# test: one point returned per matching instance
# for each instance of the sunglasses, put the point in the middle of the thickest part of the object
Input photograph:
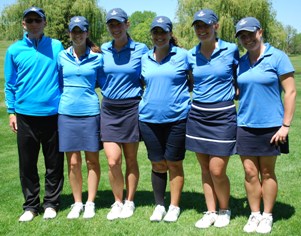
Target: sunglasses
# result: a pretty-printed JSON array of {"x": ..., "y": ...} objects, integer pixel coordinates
[{"x": 30, "y": 20}]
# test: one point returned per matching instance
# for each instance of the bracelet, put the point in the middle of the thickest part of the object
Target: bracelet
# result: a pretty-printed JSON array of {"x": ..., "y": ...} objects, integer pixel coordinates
[{"x": 287, "y": 126}]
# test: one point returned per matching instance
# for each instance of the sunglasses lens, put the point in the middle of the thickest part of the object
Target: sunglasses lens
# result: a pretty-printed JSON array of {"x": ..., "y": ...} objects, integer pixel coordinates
[{"x": 29, "y": 21}]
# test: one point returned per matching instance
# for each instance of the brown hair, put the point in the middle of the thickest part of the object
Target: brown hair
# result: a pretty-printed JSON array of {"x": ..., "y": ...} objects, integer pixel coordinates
[
  {"x": 93, "y": 46},
  {"x": 174, "y": 41}
]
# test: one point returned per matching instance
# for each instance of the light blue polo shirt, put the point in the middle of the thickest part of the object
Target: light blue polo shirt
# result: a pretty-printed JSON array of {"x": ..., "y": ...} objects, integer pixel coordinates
[
  {"x": 122, "y": 70},
  {"x": 79, "y": 78},
  {"x": 166, "y": 97},
  {"x": 260, "y": 104},
  {"x": 31, "y": 77},
  {"x": 213, "y": 78}
]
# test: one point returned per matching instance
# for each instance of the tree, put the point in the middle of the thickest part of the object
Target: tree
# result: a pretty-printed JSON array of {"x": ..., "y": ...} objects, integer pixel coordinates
[
  {"x": 229, "y": 13},
  {"x": 58, "y": 14},
  {"x": 140, "y": 26}
]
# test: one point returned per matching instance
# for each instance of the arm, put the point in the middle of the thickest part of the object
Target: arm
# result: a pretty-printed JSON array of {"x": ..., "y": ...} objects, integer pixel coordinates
[{"x": 289, "y": 101}]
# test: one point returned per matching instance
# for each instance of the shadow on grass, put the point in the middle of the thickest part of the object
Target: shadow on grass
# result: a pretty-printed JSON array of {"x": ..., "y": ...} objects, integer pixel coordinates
[{"x": 189, "y": 200}]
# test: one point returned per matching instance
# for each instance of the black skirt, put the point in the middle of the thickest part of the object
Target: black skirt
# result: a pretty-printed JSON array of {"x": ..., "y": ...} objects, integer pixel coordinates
[{"x": 119, "y": 120}]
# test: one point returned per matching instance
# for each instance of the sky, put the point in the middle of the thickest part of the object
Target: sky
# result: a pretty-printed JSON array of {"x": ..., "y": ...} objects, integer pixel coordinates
[{"x": 287, "y": 11}]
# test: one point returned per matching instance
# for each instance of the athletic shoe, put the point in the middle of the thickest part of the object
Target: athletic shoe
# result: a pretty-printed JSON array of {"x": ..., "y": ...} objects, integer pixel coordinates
[
  {"x": 27, "y": 216},
  {"x": 115, "y": 211},
  {"x": 265, "y": 225},
  {"x": 158, "y": 213},
  {"x": 127, "y": 209},
  {"x": 49, "y": 213},
  {"x": 76, "y": 209},
  {"x": 252, "y": 223},
  {"x": 172, "y": 214},
  {"x": 223, "y": 218},
  {"x": 89, "y": 210},
  {"x": 207, "y": 220}
]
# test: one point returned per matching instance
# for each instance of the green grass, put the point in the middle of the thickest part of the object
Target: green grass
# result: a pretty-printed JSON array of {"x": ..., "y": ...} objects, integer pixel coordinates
[{"x": 287, "y": 211}]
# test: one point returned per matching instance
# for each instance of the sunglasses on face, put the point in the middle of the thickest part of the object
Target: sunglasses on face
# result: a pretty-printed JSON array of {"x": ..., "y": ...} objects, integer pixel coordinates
[{"x": 31, "y": 20}]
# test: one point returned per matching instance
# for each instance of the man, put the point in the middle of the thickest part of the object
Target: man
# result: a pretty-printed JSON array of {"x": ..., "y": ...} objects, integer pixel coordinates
[{"x": 32, "y": 95}]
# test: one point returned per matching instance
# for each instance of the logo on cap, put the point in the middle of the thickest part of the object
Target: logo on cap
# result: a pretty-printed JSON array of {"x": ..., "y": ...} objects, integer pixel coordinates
[
  {"x": 113, "y": 13},
  {"x": 77, "y": 20},
  {"x": 201, "y": 13},
  {"x": 160, "y": 20},
  {"x": 243, "y": 22},
  {"x": 33, "y": 9}
]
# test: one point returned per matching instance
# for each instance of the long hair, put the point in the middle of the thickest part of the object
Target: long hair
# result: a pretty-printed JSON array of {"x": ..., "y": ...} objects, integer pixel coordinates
[
  {"x": 174, "y": 41},
  {"x": 93, "y": 46}
]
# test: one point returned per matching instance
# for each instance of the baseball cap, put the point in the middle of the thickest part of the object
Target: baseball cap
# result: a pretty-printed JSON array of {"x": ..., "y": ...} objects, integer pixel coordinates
[
  {"x": 250, "y": 24},
  {"x": 116, "y": 14},
  {"x": 206, "y": 15},
  {"x": 80, "y": 22},
  {"x": 36, "y": 10},
  {"x": 163, "y": 22}
]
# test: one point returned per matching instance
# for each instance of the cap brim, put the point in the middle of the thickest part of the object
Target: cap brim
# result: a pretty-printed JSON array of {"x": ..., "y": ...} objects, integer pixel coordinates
[
  {"x": 161, "y": 27},
  {"x": 206, "y": 21},
  {"x": 116, "y": 18},
  {"x": 249, "y": 29}
]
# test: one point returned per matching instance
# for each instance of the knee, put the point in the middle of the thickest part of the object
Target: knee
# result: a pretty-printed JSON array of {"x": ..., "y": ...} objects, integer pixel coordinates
[
  {"x": 251, "y": 174},
  {"x": 114, "y": 163},
  {"x": 160, "y": 167},
  {"x": 92, "y": 164}
]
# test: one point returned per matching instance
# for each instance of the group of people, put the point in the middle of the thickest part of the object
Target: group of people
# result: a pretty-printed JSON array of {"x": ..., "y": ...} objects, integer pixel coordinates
[{"x": 51, "y": 101}]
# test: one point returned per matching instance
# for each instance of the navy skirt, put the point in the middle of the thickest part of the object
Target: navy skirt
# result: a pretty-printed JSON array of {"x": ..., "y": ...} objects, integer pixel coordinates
[
  {"x": 79, "y": 133},
  {"x": 256, "y": 142},
  {"x": 211, "y": 128},
  {"x": 119, "y": 120}
]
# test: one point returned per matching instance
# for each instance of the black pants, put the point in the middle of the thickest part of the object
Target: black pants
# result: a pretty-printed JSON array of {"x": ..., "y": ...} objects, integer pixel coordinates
[{"x": 34, "y": 132}]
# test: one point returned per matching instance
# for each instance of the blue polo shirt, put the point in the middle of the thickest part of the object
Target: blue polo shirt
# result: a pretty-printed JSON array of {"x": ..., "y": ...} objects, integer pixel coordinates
[
  {"x": 166, "y": 97},
  {"x": 260, "y": 104},
  {"x": 31, "y": 77},
  {"x": 213, "y": 78},
  {"x": 79, "y": 77},
  {"x": 122, "y": 70}
]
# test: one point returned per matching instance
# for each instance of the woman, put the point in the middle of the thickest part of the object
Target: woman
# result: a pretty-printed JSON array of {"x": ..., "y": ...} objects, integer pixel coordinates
[
  {"x": 79, "y": 113},
  {"x": 263, "y": 124},
  {"x": 119, "y": 118},
  {"x": 211, "y": 125},
  {"x": 163, "y": 112}
]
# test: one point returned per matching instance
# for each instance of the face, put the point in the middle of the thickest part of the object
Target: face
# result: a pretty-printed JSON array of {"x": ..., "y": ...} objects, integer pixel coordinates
[
  {"x": 118, "y": 29},
  {"x": 205, "y": 32},
  {"x": 250, "y": 40},
  {"x": 78, "y": 36},
  {"x": 34, "y": 25},
  {"x": 160, "y": 37}
]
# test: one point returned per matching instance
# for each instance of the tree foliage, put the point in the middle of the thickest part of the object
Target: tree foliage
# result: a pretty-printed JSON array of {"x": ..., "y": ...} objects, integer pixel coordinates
[
  {"x": 229, "y": 13},
  {"x": 58, "y": 14},
  {"x": 140, "y": 26}
]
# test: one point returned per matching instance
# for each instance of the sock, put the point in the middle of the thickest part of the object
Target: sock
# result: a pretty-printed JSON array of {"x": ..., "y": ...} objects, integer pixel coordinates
[
  {"x": 159, "y": 182},
  {"x": 267, "y": 215},
  {"x": 255, "y": 213}
]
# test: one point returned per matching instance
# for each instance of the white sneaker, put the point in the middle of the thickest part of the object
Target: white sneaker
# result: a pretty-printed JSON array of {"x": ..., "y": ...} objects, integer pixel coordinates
[
  {"x": 158, "y": 213},
  {"x": 89, "y": 210},
  {"x": 207, "y": 220},
  {"x": 265, "y": 225},
  {"x": 127, "y": 209},
  {"x": 172, "y": 214},
  {"x": 49, "y": 213},
  {"x": 76, "y": 209},
  {"x": 223, "y": 218},
  {"x": 115, "y": 211},
  {"x": 27, "y": 216},
  {"x": 252, "y": 223}
]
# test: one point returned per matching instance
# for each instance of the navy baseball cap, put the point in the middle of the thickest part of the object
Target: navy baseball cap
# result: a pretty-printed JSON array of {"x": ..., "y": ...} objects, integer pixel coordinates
[
  {"x": 250, "y": 24},
  {"x": 206, "y": 15},
  {"x": 80, "y": 22},
  {"x": 36, "y": 10},
  {"x": 116, "y": 14},
  {"x": 163, "y": 22}
]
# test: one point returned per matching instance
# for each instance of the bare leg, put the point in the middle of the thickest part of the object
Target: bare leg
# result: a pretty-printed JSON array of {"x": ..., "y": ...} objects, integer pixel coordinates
[
  {"x": 92, "y": 160},
  {"x": 176, "y": 178}
]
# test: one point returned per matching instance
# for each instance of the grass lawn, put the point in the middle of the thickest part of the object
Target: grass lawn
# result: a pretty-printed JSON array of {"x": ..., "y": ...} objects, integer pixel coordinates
[{"x": 287, "y": 211}]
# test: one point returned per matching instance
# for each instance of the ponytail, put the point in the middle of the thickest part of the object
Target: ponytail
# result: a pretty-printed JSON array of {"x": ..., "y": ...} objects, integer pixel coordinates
[{"x": 93, "y": 46}]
